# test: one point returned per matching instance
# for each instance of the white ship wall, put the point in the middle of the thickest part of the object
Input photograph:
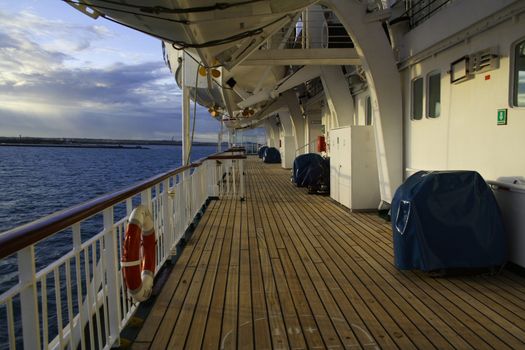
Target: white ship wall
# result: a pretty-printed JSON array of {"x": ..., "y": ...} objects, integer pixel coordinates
[{"x": 466, "y": 134}]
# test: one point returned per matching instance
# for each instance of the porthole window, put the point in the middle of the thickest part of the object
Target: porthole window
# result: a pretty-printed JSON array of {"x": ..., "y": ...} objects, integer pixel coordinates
[
  {"x": 518, "y": 86},
  {"x": 434, "y": 94},
  {"x": 417, "y": 99},
  {"x": 368, "y": 111}
]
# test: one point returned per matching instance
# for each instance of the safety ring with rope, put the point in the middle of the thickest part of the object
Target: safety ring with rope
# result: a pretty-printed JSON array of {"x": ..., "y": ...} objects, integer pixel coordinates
[{"x": 139, "y": 271}]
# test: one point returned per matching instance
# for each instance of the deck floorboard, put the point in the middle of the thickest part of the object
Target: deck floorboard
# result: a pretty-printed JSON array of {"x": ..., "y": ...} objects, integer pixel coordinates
[{"x": 288, "y": 270}]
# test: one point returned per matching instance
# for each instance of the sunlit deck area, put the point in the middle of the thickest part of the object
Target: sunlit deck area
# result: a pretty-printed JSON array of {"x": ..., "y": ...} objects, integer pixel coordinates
[{"x": 284, "y": 269}]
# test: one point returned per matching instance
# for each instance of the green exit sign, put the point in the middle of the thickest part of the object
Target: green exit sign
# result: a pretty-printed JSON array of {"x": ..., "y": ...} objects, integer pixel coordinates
[{"x": 502, "y": 116}]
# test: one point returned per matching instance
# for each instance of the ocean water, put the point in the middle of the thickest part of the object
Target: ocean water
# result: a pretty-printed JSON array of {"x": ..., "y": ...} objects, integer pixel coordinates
[{"x": 38, "y": 181}]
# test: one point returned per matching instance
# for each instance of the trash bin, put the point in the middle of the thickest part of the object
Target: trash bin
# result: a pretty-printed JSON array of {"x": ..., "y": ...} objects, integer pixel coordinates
[{"x": 510, "y": 194}]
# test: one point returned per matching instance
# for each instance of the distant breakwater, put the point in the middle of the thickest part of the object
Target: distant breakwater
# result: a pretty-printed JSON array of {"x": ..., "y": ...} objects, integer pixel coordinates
[
  {"x": 75, "y": 145},
  {"x": 83, "y": 142}
]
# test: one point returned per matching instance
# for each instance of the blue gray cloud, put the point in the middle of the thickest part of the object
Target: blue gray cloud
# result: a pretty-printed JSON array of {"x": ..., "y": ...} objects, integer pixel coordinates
[{"x": 46, "y": 91}]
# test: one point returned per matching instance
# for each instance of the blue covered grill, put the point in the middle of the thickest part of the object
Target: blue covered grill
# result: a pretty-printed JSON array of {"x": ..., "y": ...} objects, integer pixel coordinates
[
  {"x": 260, "y": 152},
  {"x": 307, "y": 169},
  {"x": 447, "y": 220},
  {"x": 271, "y": 155}
]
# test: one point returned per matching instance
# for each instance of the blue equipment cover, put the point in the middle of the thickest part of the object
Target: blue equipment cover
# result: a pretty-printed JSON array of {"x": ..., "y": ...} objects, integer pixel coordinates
[
  {"x": 326, "y": 172},
  {"x": 447, "y": 220},
  {"x": 261, "y": 151},
  {"x": 271, "y": 155},
  {"x": 307, "y": 169}
]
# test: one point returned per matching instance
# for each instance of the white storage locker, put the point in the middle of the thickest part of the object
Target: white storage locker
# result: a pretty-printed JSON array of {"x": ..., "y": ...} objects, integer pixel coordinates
[{"x": 354, "y": 178}]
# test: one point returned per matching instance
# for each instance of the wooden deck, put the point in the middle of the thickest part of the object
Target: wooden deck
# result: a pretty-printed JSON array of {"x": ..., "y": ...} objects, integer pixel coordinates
[{"x": 285, "y": 269}]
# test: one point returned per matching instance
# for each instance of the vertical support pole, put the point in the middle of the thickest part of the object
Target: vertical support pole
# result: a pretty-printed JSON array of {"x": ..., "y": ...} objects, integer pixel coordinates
[
  {"x": 185, "y": 124},
  {"x": 306, "y": 29},
  {"x": 28, "y": 297},
  {"x": 111, "y": 254},
  {"x": 185, "y": 142},
  {"x": 185, "y": 117},
  {"x": 242, "y": 139},
  {"x": 303, "y": 29},
  {"x": 219, "y": 141}
]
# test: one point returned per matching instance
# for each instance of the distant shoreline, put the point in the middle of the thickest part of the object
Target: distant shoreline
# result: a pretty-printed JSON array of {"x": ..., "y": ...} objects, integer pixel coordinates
[
  {"x": 90, "y": 143},
  {"x": 71, "y": 145}
]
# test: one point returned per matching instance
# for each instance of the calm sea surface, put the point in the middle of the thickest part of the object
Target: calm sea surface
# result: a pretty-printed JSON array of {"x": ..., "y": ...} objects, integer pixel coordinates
[{"x": 37, "y": 181}]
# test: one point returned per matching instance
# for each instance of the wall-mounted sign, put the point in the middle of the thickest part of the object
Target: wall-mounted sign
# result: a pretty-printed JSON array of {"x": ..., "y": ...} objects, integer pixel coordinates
[
  {"x": 459, "y": 70},
  {"x": 502, "y": 116}
]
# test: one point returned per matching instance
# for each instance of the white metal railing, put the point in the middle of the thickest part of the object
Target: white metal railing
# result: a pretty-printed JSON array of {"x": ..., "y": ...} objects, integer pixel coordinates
[
  {"x": 304, "y": 146},
  {"x": 79, "y": 300},
  {"x": 251, "y": 147},
  {"x": 315, "y": 27},
  {"x": 231, "y": 182},
  {"x": 419, "y": 11}
]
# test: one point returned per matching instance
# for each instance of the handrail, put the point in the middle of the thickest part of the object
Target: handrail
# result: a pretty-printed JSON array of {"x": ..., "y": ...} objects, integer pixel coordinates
[
  {"x": 506, "y": 186},
  {"x": 308, "y": 144},
  {"x": 20, "y": 237}
]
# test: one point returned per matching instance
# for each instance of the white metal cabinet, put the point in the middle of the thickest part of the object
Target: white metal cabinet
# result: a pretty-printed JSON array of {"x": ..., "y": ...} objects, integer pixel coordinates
[{"x": 353, "y": 167}]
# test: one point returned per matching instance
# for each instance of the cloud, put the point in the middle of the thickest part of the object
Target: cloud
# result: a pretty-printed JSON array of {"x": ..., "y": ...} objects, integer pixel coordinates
[
  {"x": 42, "y": 94},
  {"x": 54, "y": 35}
]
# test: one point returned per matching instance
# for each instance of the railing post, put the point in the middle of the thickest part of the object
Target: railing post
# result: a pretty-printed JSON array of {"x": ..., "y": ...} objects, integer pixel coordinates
[
  {"x": 111, "y": 254},
  {"x": 145, "y": 198},
  {"x": 183, "y": 203},
  {"x": 28, "y": 297},
  {"x": 167, "y": 214},
  {"x": 241, "y": 178},
  {"x": 215, "y": 171},
  {"x": 191, "y": 190},
  {"x": 77, "y": 246},
  {"x": 234, "y": 178},
  {"x": 227, "y": 167},
  {"x": 179, "y": 193}
]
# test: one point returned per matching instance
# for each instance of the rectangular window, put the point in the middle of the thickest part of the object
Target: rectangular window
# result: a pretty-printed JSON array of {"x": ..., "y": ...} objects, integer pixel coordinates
[
  {"x": 518, "y": 89},
  {"x": 434, "y": 94},
  {"x": 368, "y": 111},
  {"x": 417, "y": 98}
]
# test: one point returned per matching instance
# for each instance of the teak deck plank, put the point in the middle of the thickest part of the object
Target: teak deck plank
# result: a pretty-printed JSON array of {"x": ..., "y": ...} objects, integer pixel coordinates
[
  {"x": 288, "y": 270},
  {"x": 212, "y": 336},
  {"x": 159, "y": 309}
]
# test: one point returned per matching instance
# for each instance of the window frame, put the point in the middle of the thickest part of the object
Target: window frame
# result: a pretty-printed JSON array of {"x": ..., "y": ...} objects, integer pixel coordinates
[
  {"x": 412, "y": 83},
  {"x": 513, "y": 102},
  {"x": 427, "y": 92}
]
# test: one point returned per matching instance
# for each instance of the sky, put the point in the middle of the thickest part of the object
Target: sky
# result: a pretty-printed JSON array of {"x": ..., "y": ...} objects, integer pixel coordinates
[{"x": 63, "y": 74}]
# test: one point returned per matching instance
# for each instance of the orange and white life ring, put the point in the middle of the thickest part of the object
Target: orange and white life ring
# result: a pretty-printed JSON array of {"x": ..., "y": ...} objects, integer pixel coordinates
[{"x": 138, "y": 273}]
